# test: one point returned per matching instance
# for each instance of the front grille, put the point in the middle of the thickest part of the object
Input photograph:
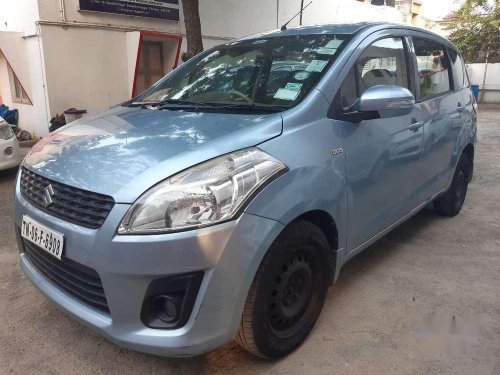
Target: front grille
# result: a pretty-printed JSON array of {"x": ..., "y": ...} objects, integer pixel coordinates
[
  {"x": 75, "y": 205},
  {"x": 77, "y": 280}
]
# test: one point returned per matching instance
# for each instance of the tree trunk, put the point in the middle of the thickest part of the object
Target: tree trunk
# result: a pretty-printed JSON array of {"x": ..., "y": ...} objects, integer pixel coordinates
[
  {"x": 193, "y": 28},
  {"x": 484, "y": 76}
]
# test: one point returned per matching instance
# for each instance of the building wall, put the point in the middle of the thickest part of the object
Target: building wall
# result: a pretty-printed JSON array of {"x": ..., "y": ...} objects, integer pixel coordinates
[
  {"x": 20, "y": 46},
  {"x": 85, "y": 68},
  {"x": 236, "y": 18},
  {"x": 338, "y": 11},
  {"x": 18, "y": 15},
  {"x": 31, "y": 117},
  {"x": 49, "y": 10},
  {"x": 25, "y": 56}
]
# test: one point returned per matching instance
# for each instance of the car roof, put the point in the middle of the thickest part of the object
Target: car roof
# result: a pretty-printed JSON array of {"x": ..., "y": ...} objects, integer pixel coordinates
[{"x": 343, "y": 28}]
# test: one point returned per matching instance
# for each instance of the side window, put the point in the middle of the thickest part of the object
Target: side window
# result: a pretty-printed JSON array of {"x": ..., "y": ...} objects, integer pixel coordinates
[
  {"x": 457, "y": 69},
  {"x": 433, "y": 68},
  {"x": 382, "y": 63}
]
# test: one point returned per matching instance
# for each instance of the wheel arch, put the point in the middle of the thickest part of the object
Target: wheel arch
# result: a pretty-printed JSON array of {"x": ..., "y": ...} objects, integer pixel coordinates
[{"x": 325, "y": 222}]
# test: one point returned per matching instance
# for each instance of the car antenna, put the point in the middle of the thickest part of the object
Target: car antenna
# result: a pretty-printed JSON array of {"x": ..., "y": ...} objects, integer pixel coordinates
[{"x": 283, "y": 28}]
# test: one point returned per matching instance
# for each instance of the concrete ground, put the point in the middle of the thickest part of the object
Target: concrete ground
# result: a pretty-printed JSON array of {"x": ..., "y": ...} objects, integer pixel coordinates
[{"x": 423, "y": 300}]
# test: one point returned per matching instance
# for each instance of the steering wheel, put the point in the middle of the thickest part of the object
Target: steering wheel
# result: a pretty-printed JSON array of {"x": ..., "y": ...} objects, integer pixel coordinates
[{"x": 239, "y": 94}]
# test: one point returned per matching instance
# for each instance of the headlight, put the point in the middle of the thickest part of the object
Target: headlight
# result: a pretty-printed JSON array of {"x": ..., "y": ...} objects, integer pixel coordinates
[
  {"x": 6, "y": 132},
  {"x": 205, "y": 194}
]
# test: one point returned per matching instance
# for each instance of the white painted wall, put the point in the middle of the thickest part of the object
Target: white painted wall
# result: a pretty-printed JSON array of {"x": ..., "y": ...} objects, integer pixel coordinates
[
  {"x": 24, "y": 56},
  {"x": 85, "y": 68},
  {"x": 132, "y": 39},
  {"x": 18, "y": 15},
  {"x": 492, "y": 85},
  {"x": 17, "y": 19},
  {"x": 337, "y": 11},
  {"x": 236, "y": 18},
  {"x": 15, "y": 49}
]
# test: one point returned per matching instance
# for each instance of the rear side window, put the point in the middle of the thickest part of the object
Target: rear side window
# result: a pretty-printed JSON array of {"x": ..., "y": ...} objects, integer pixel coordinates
[
  {"x": 382, "y": 63},
  {"x": 433, "y": 68},
  {"x": 457, "y": 69}
]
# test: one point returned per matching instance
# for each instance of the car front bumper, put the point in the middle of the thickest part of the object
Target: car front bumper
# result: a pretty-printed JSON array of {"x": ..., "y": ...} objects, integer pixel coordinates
[{"x": 228, "y": 254}]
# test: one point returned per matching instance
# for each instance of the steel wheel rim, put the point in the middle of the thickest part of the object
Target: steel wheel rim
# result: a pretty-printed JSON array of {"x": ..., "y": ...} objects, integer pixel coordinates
[{"x": 293, "y": 292}]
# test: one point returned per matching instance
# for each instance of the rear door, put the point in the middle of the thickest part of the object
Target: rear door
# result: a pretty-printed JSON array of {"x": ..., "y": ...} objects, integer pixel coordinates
[
  {"x": 465, "y": 106},
  {"x": 440, "y": 108},
  {"x": 382, "y": 155}
]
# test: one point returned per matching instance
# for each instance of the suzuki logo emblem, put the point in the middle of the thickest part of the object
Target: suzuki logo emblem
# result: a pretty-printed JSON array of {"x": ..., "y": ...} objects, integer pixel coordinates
[{"x": 48, "y": 193}]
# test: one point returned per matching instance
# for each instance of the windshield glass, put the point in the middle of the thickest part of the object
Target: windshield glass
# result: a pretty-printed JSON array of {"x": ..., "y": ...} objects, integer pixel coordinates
[{"x": 274, "y": 72}]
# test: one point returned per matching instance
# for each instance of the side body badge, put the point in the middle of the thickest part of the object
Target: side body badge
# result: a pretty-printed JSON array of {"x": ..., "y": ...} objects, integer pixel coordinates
[{"x": 337, "y": 151}]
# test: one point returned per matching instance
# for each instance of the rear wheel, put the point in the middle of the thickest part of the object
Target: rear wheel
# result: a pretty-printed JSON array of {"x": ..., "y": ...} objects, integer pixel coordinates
[
  {"x": 452, "y": 201},
  {"x": 288, "y": 292}
]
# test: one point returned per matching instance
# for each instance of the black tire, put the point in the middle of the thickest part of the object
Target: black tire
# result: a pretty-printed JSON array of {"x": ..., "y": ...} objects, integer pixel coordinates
[
  {"x": 450, "y": 203},
  {"x": 287, "y": 293}
]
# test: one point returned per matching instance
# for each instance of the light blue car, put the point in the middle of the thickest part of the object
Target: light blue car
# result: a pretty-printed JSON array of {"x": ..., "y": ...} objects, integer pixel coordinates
[{"x": 223, "y": 201}]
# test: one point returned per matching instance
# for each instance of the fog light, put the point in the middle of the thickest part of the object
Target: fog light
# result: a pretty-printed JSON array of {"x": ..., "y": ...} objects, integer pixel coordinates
[
  {"x": 167, "y": 307},
  {"x": 8, "y": 151},
  {"x": 169, "y": 301}
]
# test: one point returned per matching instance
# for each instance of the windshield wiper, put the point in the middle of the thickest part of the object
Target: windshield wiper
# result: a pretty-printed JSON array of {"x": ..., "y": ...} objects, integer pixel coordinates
[
  {"x": 167, "y": 102},
  {"x": 181, "y": 102},
  {"x": 213, "y": 106},
  {"x": 249, "y": 107}
]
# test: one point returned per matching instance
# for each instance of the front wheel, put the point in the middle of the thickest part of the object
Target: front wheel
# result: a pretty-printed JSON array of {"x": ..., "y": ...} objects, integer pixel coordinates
[
  {"x": 287, "y": 293},
  {"x": 452, "y": 201}
]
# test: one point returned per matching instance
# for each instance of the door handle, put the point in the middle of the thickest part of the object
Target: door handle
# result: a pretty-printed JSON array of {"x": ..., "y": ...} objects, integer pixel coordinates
[
  {"x": 460, "y": 107},
  {"x": 414, "y": 126}
]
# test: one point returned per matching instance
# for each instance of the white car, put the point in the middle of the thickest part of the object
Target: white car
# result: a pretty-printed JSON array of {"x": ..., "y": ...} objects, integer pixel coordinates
[{"x": 10, "y": 155}]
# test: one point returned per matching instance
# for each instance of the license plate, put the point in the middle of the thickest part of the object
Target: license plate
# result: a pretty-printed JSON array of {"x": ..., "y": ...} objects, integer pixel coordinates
[{"x": 48, "y": 239}]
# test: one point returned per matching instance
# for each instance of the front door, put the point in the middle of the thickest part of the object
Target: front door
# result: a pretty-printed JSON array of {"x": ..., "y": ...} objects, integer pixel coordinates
[
  {"x": 151, "y": 67},
  {"x": 382, "y": 155}
]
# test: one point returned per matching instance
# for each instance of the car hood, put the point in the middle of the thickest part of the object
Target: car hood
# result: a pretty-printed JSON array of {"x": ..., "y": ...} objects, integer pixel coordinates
[{"x": 124, "y": 151}]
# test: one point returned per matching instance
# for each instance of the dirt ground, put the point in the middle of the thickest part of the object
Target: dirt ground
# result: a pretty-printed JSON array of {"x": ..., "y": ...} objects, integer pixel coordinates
[{"x": 423, "y": 300}]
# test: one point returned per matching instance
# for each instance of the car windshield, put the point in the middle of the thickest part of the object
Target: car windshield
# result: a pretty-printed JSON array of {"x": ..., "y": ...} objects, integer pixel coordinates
[{"x": 274, "y": 72}]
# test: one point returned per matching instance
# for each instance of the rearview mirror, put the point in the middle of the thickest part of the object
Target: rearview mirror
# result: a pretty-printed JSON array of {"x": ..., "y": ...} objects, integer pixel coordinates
[{"x": 395, "y": 99}]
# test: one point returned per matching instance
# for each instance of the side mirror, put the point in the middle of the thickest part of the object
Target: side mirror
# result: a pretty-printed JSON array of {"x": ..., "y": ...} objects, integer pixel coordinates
[{"x": 390, "y": 100}]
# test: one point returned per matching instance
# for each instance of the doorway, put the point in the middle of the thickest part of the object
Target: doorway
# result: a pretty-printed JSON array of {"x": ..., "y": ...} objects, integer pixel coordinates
[
  {"x": 157, "y": 55},
  {"x": 150, "y": 65}
]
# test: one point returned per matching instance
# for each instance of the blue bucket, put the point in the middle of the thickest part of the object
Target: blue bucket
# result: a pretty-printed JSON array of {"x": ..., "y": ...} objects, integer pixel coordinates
[{"x": 475, "y": 90}]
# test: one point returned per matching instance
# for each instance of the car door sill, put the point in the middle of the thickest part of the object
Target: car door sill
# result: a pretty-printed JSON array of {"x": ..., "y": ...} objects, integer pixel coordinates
[{"x": 383, "y": 232}]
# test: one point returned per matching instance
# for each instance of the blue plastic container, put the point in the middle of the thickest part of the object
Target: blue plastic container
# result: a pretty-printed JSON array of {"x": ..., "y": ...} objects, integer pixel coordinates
[{"x": 475, "y": 90}]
